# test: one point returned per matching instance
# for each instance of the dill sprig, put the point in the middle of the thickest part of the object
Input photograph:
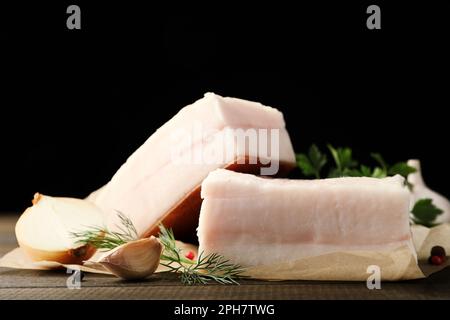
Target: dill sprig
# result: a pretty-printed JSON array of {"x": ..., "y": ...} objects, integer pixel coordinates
[
  {"x": 207, "y": 268},
  {"x": 211, "y": 267},
  {"x": 104, "y": 239}
]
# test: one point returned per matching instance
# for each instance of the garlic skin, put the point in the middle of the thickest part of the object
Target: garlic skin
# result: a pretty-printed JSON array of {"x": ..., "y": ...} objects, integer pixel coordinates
[
  {"x": 134, "y": 260},
  {"x": 421, "y": 191}
]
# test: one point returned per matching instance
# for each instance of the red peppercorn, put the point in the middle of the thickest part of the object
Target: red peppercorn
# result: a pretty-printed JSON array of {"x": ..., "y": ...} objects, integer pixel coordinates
[
  {"x": 190, "y": 255},
  {"x": 437, "y": 260}
]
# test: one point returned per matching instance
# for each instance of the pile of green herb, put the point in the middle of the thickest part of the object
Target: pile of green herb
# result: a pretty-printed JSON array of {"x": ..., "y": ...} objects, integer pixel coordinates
[{"x": 312, "y": 164}]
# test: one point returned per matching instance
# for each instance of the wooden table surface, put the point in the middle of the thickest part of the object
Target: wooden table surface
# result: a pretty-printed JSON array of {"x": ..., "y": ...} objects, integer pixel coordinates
[{"x": 29, "y": 284}]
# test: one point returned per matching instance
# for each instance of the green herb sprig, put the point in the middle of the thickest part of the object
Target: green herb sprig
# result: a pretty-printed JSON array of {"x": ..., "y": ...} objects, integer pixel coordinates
[
  {"x": 104, "y": 239},
  {"x": 207, "y": 268},
  {"x": 344, "y": 162},
  {"x": 211, "y": 267}
]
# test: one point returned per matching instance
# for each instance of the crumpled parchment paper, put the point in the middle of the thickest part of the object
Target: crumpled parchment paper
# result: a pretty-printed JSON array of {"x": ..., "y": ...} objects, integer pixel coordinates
[
  {"x": 17, "y": 259},
  {"x": 396, "y": 264}
]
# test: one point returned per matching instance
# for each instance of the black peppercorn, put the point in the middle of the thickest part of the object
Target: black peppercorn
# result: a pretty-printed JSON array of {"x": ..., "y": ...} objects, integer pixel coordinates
[{"x": 438, "y": 251}]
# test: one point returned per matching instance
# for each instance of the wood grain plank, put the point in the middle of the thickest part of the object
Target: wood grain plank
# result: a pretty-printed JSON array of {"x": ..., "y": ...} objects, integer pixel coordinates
[
  {"x": 7, "y": 236},
  {"x": 33, "y": 284}
]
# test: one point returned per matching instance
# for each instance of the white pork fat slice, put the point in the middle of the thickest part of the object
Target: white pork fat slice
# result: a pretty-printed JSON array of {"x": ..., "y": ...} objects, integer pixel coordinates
[
  {"x": 160, "y": 182},
  {"x": 255, "y": 221}
]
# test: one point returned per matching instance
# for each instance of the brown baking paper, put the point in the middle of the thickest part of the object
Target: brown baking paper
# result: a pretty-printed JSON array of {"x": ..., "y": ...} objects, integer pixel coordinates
[
  {"x": 396, "y": 264},
  {"x": 17, "y": 259}
]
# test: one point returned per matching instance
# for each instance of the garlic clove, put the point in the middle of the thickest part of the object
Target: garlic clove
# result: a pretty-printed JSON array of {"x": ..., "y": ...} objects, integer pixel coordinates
[
  {"x": 134, "y": 260},
  {"x": 421, "y": 191},
  {"x": 44, "y": 230}
]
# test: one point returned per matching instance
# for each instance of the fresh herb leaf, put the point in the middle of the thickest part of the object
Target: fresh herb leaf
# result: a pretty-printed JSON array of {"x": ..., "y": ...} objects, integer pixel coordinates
[
  {"x": 343, "y": 160},
  {"x": 365, "y": 171},
  {"x": 378, "y": 158},
  {"x": 312, "y": 163},
  {"x": 378, "y": 173},
  {"x": 402, "y": 169},
  {"x": 425, "y": 212},
  {"x": 305, "y": 165}
]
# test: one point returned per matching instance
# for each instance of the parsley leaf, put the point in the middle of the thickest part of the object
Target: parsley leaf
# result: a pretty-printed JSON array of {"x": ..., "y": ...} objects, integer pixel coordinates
[
  {"x": 344, "y": 162},
  {"x": 312, "y": 163},
  {"x": 402, "y": 169},
  {"x": 365, "y": 171},
  {"x": 425, "y": 212},
  {"x": 378, "y": 158},
  {"x": 378, "y": 173}
]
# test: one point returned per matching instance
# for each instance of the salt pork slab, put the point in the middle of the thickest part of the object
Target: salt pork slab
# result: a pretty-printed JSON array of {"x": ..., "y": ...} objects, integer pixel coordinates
[
  {"x": 256, "y": 221},
  {"x": 160, "y": 182}
]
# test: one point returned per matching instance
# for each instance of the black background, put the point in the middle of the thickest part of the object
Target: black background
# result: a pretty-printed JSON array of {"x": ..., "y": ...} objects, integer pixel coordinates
[{"x": 76, "y": 103}]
